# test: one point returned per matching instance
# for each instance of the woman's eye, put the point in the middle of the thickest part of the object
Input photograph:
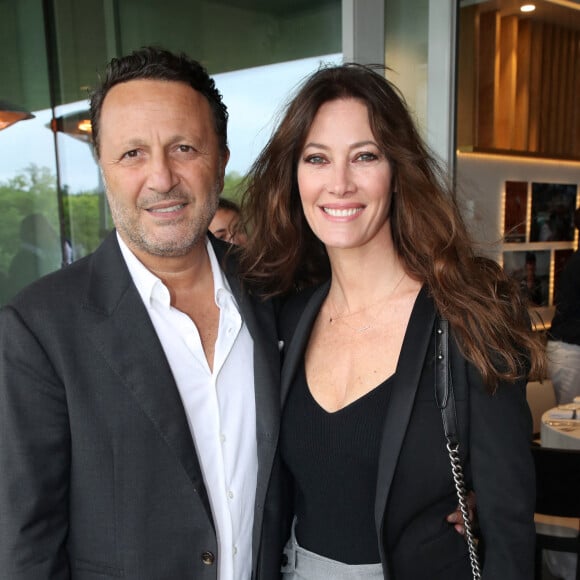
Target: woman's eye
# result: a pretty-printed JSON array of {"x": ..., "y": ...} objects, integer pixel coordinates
[
  {"x": 367, "y": 156},
  {"x": 314, "y": 159}
]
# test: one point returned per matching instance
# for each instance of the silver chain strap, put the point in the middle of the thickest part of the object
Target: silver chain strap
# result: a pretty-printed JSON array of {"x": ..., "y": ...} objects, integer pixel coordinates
[
  {"x": 457, "y": 472},
  {"x": 446, "y": 402}
]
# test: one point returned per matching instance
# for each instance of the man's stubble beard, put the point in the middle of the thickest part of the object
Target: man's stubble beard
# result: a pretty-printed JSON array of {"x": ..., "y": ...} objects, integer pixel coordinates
[{"x": 131, "y": 229}]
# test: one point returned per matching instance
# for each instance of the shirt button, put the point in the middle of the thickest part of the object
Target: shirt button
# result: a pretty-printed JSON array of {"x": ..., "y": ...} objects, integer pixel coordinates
[
  {"x": 231, "y": 494},
  {"x": 222, "y": 438},
  {"x": 207, "y": 558},
  {"x": 230, "y": 331},
  {"x": 235, "y": 550}
]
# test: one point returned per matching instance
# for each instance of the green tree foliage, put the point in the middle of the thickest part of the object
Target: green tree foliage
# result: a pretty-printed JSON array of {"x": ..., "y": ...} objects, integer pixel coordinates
[
  {"x": 34, "y": 191},
  {"x": 84, "y": 222},
  {"x": 233, "y": 186}
]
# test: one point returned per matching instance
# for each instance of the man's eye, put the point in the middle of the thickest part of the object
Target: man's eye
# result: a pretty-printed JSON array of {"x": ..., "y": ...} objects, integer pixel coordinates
[
  {"x": 185, "y": 148},
  {"x": 131, "y": 154}
]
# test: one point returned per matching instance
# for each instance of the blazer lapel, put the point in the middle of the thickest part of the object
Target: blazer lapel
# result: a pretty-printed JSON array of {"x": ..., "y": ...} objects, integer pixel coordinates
[
  {"x": 300, "y": 338},
  {"x": 126, "y": 338},
  {"x": 260, "y": 319},
  {"x": 402, "y": 397}
]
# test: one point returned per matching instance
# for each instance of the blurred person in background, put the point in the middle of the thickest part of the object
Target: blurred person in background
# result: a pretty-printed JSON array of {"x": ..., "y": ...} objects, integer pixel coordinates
[
  {"x": 225, "y": 222},
  {"x": 563, "y": 347}
]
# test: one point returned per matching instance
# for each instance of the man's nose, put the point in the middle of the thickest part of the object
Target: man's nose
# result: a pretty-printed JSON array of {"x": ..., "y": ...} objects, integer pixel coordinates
[{"x": 162, "y": 175}]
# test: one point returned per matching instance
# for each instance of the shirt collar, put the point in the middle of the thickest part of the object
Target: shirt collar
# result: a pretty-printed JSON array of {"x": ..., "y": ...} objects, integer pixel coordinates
[{"x": 150, "y": 287}]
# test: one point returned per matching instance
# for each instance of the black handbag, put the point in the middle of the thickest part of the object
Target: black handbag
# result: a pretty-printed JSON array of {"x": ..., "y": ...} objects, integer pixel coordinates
[{"x": 446, "y": 402}]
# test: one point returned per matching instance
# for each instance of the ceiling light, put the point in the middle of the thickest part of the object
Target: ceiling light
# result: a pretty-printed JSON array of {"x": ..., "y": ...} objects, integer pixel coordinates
[
  {"x": 10, "y": 114},
  {"x": 76, "y": 124},
  {"x": 528, "y": 7}
]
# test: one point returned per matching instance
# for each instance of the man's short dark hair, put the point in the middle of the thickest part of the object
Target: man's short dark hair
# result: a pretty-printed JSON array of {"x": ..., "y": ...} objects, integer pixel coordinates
[{"x": 159, "y": 64}]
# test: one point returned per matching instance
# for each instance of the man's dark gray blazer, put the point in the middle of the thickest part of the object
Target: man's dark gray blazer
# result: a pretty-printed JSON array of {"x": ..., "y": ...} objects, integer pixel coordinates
[{"x": 99, "y": 476}]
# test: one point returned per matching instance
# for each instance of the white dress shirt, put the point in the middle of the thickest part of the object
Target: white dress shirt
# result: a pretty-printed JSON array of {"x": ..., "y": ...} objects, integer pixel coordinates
[{"x": 219, "y": 404}]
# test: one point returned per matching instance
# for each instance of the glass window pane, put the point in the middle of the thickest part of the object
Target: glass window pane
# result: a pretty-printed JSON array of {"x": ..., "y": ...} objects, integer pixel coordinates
[
  {"x": 86, "y": 214},
  {"x": 29, "y": 222},
  {"x": 406, "y": 51}
]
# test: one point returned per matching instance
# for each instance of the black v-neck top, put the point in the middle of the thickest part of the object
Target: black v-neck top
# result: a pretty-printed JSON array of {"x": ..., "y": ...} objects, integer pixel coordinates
[{"x": 333, "y": 458}]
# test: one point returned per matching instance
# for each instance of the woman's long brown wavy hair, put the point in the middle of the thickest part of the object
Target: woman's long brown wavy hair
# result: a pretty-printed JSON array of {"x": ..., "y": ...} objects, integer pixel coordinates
[{"x": 484, "y": 306}]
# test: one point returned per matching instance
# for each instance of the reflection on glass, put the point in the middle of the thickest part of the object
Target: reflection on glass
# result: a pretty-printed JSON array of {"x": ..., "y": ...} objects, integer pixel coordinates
[
  {"x": 516, "y": 209},
  {"x": 86, "y": 214},
  {"x": 39, "y": 252},
  {"x": 553, "y": 206},
  {"x": 532, "y": 272},
  {"x": 29, "y": 224}
]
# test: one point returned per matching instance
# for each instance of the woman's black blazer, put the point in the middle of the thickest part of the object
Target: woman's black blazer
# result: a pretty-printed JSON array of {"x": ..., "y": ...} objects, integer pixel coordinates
[{"x": 415, "y": 490}]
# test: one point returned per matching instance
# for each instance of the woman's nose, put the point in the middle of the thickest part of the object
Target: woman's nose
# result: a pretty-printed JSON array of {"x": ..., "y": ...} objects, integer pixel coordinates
[{"x": 342, "y": 182}]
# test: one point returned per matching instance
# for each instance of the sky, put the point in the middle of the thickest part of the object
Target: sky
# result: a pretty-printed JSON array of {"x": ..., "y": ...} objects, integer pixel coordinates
[{"x": 253, "y": 96}]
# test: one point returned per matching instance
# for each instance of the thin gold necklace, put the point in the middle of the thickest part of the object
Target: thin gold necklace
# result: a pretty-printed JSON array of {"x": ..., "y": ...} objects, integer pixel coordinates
[{"x": 336, "y": 317}]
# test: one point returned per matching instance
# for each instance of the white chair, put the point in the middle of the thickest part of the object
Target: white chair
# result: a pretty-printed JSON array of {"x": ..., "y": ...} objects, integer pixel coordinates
[{"x": 540, "y": 397}]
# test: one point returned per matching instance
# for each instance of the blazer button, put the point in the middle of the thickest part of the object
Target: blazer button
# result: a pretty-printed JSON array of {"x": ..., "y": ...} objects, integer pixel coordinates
[{"x": 207, "y": 558}]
